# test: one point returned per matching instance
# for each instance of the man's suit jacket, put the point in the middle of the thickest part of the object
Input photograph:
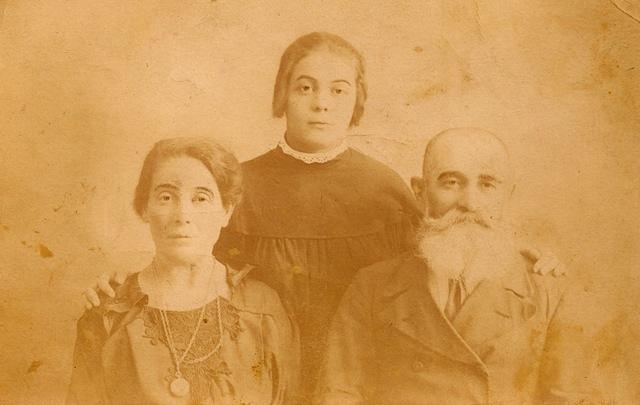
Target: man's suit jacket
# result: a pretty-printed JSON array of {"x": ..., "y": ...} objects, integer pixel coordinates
[{"x": 510, "y": 343}]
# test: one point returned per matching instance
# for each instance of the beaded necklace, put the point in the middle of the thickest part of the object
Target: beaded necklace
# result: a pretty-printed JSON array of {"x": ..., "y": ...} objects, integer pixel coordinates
[{"x": 180, "y": 387}]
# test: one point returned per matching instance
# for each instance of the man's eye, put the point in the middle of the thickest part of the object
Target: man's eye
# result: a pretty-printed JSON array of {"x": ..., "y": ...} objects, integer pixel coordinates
[
  {"x": 487, "y": 185},
  {"x": 164, "y": 197},
  {"x": 450, "y": 183}
]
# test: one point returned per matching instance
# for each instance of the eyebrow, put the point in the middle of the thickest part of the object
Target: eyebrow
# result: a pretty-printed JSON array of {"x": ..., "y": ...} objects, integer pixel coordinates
[
  {"x": 487, "y": 177},
  {"x": 451, "y": 173},
  {"x": 483, "y": 177},
  {"x": 174, "y": 187},
  {"x": 167, "y": 185},
  {"x": 205, "y": 189},
  {"x": 315, "y": 80},
  {"x": 306, "y": 77}
]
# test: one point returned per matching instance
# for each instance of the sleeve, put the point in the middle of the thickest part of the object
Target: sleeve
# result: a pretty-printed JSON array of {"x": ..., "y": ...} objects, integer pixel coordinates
[
  {"x": 568, "y": 359},
  {"x": 87, "y": 383},
  {"x": 403, "y": 236},
  {"x": 232, "y": 247},
  {"x": 350, "y": 348},
  {"x": 286, "y": 353}
]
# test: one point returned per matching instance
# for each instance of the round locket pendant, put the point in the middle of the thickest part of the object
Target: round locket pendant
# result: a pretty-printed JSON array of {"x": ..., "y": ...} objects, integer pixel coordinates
[{"x": 179, "y": 387}]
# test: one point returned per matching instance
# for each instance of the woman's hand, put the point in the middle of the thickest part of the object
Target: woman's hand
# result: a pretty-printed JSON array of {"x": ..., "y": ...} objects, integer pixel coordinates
[
  {"x": 545, "y": 262},
  {"x": 103, "y": 284}
]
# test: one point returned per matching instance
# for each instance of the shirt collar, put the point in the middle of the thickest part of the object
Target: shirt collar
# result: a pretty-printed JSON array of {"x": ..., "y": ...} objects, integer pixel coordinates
[{"x": 309, "y": 158}]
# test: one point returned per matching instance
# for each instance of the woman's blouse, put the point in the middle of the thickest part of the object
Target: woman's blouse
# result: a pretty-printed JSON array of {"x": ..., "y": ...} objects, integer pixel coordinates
[{"x": 122, "y": 355}]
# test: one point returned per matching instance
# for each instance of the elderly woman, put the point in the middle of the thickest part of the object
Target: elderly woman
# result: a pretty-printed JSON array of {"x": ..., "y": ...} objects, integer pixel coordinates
[{"x": 186, "y": 329}]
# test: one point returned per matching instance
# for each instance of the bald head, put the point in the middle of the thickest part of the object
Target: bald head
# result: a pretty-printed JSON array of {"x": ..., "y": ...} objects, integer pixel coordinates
[
  {"x": 468, "y": 169},
  {"x": 466, "y": 145}
]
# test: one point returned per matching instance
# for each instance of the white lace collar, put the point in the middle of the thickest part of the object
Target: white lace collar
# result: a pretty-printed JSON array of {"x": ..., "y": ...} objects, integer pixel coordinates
[{"x": 321, "y": 157}]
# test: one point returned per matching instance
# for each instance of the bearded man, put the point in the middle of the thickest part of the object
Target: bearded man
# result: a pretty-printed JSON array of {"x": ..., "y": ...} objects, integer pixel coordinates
[{"x": 463, "y": 319}]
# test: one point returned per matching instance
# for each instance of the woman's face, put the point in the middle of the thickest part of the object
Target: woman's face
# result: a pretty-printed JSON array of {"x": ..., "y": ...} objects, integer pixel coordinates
[
  {"x": 320, "y": 103},
  {"x": 184, "y": 211}
]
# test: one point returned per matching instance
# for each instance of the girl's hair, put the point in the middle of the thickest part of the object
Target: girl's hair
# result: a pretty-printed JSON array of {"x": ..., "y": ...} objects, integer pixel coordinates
[
  {"x": 300, "y": 48},
  {"x": 221, "y": 163}
]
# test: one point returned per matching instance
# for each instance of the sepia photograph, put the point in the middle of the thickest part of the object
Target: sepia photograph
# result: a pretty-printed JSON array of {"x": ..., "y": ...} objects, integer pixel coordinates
[{"x": 320, "y": 202}]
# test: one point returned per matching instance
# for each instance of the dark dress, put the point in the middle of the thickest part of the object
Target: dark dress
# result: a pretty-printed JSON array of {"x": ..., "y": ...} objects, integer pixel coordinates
[
  {"x": 310, "y": 227},
  {"x": 122, "y": 356}
]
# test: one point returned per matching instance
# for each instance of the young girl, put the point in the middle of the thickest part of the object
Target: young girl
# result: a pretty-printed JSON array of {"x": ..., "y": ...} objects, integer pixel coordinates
[{"x": 314, "y": 210}]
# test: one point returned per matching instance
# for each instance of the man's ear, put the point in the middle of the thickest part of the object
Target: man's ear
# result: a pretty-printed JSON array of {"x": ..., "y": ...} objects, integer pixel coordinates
[{"x": 417, "y": 185}]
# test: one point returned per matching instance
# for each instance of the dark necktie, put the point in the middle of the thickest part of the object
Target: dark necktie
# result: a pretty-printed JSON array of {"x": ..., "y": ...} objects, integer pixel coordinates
[{"x": 457, "y": 295}]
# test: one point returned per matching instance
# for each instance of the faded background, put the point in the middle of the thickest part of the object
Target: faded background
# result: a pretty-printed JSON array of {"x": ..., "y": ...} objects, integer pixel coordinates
[{"x": 87, "y": 87}]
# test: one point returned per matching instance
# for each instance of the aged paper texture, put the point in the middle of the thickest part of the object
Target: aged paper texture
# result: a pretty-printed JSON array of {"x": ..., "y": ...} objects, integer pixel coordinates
[{"x": 87, "y": 88}]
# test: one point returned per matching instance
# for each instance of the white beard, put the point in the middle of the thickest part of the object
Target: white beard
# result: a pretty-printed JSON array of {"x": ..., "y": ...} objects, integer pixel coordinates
[{"x": 467, "y": 245}]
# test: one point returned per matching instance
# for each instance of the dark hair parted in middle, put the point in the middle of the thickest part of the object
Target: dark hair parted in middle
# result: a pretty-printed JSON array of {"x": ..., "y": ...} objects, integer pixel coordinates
[
  {"x": 300, "y": 48},
  {"x": 222, "y": 164}
]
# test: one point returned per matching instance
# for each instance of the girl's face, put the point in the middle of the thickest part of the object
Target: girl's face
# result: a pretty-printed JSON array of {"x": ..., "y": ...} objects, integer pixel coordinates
[
  {"x": 184, "y": 211},
  {"x": 320, "y": 103}
]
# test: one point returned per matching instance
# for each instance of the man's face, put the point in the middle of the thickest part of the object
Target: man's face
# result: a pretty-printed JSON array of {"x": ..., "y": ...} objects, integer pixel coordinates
[
  {"x": 468, "y": 175},
  {"x": 466, "y": 185},
  {"x": 321, "y": 100}
]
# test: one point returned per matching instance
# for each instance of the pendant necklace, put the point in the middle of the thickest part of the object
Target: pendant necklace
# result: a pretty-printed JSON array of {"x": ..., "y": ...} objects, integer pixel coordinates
[{"x": 179, "y": 386}]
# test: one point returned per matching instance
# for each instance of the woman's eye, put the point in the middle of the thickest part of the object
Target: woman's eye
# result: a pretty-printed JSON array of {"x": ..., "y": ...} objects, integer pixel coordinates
[
  {"x": 164, "y": 197},
  {"x": 202, "y": 198},
  {"x": 487, "y": 185}
]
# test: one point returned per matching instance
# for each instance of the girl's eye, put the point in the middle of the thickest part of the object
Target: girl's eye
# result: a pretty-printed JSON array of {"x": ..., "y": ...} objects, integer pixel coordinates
[
  {"x": 339, "y": 91},
  {"x": 305, "y": 88}
]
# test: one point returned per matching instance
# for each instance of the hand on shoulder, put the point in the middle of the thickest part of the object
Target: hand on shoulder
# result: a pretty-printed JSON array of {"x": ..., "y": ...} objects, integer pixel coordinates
[
  {"x": 104, "y": 287},
  {"x": 544, "y": 262}
]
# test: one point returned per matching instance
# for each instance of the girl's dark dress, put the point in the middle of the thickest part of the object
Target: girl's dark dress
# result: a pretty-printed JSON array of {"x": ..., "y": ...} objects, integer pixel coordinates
[{"x": 311, "y": 226}]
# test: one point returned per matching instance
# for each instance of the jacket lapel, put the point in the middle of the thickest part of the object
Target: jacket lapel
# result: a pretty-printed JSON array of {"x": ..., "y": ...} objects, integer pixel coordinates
[
  {"x": 407, "y": 306},
  {"x": 494, "y": 308}
]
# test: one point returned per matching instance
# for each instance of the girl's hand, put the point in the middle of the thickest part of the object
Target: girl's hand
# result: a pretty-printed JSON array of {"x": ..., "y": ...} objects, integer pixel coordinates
[
  {"x": 103, "y": 284},
  {"x": 544, "y": 262}
]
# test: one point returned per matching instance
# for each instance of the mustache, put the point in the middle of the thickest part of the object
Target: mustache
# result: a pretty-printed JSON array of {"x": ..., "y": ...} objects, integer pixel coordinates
[{"x": 457, "y": 217}]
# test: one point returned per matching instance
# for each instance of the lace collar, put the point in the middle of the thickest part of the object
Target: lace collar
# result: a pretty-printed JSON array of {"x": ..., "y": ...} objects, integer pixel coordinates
[{"x": 321, "y": 157}]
